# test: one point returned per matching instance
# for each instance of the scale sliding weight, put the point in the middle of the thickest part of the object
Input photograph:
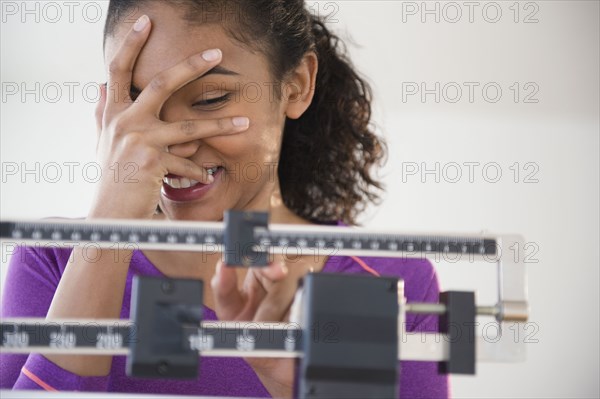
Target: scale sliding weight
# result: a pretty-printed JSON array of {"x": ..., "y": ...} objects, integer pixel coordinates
[{"x": 346, "y": 332}]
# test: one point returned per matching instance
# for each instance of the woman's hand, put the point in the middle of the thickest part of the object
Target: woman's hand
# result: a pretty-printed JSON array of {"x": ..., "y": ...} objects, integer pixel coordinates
[
  {"x": 133, "y": 142},
  {"x": 266, "y": 295}
]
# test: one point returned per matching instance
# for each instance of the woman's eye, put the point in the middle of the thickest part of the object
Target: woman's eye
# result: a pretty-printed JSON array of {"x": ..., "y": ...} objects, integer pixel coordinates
[{"x": 212, "y": 101}]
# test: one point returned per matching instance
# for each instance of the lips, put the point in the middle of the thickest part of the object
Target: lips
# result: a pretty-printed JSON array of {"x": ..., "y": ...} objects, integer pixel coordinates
[{"x": 195, "y": 191}]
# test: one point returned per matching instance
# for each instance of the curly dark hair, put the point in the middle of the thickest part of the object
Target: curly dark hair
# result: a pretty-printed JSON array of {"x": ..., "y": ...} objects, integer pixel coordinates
[{"x": 328, "y": 155}]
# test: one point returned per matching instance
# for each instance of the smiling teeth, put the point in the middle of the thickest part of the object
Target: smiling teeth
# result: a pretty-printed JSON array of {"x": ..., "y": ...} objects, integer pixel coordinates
[
  {"x": 213, "y": 170},
  {"x": 183, "y": 182}
]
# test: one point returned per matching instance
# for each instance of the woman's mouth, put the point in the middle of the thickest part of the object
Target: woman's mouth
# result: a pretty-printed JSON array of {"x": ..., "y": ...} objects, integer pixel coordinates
[{"x": 181, "y": 189}]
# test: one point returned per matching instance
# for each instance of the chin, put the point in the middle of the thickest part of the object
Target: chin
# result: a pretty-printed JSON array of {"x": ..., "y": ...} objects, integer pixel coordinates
[{"x": 189, "y": 213}]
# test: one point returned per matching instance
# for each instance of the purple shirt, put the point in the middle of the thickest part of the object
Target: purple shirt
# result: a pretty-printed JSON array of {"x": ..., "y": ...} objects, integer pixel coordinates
[{"x": 33, "y": 276}]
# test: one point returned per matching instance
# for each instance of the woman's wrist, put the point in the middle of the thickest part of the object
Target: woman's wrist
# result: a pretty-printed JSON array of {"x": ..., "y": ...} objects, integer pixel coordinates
[{"x": 277, "y": 375}]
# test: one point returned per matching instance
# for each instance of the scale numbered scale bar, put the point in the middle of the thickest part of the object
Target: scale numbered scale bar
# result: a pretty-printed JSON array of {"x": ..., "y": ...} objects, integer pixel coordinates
[
  {"x": 246, "y": 238},
  {"x": 114, "y": 337},
  {"x": 218, "y": 339},
  {"x": 348, "y": 333},
  {"x": 248, "y": 234}
]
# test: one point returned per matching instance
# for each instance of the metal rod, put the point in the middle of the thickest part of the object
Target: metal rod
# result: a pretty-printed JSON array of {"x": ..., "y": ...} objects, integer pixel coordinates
[{"x": 440, "y": 309}]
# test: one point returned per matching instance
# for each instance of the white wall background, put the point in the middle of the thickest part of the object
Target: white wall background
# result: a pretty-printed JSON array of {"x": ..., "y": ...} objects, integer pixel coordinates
[{"x": 556, "y": 139}]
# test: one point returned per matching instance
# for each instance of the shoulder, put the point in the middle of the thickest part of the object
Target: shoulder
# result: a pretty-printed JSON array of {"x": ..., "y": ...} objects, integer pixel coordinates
[
  {"x": 51, "y": 256},
  {"x": 420, "y": 278},
  {"x": 32, "y": 276},
  {"x": 50, "y": 261},
  {"x": 41, "y": 260},
  {"x": 419, "y": 274}
]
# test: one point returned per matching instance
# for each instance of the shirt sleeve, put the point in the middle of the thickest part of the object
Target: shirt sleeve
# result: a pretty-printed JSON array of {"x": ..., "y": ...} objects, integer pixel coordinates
[{"x": 31, "y": 281}]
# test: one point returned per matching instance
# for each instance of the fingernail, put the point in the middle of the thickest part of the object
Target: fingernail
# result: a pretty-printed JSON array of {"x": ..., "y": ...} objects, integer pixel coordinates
[
  {"x": 283, "y": 267},
  {"x": 211, "y": 55},
  {"x": 218, "y": 269},
  {"x": 240, "y": 121},
  {"x": 141, "y": 23},
  {"x": 211, "y": 178}
]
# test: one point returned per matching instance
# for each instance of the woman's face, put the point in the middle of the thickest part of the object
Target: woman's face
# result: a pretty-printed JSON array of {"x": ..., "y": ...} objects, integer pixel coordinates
[{"x": 247, "y": 160}]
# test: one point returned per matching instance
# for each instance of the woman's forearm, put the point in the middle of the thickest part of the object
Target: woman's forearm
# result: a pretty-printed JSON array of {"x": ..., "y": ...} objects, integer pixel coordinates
[{"x": 92, "y": 286}]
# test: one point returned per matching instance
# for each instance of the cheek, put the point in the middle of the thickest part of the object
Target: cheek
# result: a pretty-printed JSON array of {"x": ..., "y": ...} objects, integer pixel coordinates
[{"x": 260, "y": 143}]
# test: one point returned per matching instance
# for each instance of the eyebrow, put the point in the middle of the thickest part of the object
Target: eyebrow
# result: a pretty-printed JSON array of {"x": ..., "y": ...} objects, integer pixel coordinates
[{"x": 217, "y": 70}]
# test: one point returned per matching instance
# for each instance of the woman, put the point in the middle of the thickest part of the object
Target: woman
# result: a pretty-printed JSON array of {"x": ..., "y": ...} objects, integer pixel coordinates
[{"x": 210, "y": 106}]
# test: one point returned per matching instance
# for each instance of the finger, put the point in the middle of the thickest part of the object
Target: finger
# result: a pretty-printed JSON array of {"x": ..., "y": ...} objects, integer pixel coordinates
[
  {"x": 254, "y": 292},
  {"x": 276, "y": 271},
  {"x": 228, "y": 299},
  {"x": 100, "y": 106},
  {"x": 183, "y": 167},
  {"x": 163, "y": 85},
  {"x": 277, "y": 302},
  {"x": 120, "y": 69},
  {"x": 286, "y": 316},
  {"x": 185, "y": 150},
  {"x": 196, "y": 129}
]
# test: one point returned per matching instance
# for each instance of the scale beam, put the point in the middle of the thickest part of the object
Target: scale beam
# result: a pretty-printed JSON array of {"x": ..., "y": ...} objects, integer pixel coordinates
[
  {"x": 246, "y": 239},
  {"x": 209, "y": 237},
  {"x": 32, "y": 336}
]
